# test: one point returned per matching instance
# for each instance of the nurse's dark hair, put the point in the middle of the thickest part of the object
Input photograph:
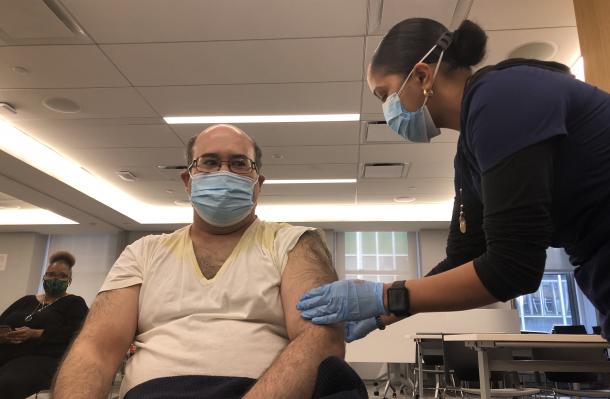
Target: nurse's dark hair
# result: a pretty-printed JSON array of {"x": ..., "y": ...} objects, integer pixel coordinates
[
  {"x": 64, "y": 257},
  {"x": 408, "y": 41}
]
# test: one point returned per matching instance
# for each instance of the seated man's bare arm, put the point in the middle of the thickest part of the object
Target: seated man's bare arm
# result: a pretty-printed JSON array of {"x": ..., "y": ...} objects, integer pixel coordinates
[
  {"x": 293, "y": 373},
  {"x": 94, "y": 357}
]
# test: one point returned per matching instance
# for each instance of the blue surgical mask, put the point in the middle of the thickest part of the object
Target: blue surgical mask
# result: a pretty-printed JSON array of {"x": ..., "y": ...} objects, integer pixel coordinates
[
  {"x": 222, "y": 198},
  {"x": 415, "y": 126}
]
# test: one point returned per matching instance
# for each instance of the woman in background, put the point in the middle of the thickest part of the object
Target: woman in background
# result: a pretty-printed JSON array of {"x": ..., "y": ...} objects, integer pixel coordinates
[{"x": 36, "y": 331}]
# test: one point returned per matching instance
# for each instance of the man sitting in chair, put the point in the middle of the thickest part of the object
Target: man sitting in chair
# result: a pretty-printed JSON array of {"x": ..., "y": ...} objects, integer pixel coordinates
[{"x": 212, "y": 306}]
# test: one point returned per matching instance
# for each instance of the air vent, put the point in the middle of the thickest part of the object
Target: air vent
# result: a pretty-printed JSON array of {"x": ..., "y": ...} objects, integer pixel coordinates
[
  {"x": 39, "y": 22},
  {"x": 171, "y": 167},
  {"x": 384, "y": 170},
  {"x": 6, "y": 107}
]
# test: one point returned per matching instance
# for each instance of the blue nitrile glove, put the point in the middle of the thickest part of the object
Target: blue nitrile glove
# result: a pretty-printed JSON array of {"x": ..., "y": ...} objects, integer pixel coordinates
[
  {"x": 346, "y": 300},
  {"x": 359, "y": 329}
]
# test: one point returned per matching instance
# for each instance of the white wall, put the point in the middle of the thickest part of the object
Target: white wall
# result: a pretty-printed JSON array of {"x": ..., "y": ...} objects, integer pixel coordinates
[
  {"x": 432, "y": 244},
  {"x": 94, "y": 253},
  {"x": 26, "y": 257}
]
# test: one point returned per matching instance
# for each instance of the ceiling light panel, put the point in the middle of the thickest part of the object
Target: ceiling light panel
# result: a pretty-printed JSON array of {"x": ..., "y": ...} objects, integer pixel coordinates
[
  {"x": 21, "y": 217},
  {"x": 262, "y": 118}
]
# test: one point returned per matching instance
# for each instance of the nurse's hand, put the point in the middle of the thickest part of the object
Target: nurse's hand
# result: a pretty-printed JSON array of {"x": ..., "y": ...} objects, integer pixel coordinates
[
  {"x": 346, "y": 300},
  {"x": 359, "y": 329}
]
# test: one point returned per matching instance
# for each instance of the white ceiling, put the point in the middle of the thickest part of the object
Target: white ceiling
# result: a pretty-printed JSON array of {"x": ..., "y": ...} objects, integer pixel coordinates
[{"x": 141, "y": 60}]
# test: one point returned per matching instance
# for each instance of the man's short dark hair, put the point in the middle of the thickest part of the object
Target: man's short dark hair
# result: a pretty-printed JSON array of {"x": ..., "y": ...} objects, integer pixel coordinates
[
  {"x": 258, "y": 153},
  {"x": 64, "y": 257}
]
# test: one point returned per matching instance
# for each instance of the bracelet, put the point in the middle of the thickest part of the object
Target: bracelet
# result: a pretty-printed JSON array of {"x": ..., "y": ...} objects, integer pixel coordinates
[{"x": 379, "y": 323}]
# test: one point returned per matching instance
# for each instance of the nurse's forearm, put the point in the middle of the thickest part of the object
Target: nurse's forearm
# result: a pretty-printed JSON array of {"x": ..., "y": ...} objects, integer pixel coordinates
[{"x": 455, "y": 289}]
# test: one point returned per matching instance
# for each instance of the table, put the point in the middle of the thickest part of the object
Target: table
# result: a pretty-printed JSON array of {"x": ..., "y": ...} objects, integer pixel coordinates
[{"x": 484, "y": 345}]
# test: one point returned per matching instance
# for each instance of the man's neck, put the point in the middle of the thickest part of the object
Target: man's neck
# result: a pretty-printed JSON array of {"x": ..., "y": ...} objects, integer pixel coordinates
[{"x": 202, "y": 230}]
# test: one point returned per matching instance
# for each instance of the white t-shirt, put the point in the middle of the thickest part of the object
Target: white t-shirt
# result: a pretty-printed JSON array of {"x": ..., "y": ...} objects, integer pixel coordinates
[{"x": 231, "y": 325}]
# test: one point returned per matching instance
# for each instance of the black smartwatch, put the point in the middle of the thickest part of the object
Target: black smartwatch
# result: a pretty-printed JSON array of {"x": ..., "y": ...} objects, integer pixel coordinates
[{"x": 398, "y": 299}]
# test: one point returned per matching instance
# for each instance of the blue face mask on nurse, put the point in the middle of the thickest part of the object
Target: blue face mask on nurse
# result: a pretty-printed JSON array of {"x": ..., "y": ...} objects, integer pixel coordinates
[{"x": 415, "y": 126}]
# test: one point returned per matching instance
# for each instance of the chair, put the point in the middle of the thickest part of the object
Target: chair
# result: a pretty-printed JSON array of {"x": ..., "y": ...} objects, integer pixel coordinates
[
  {"x": 433, "y": 363},
  {"x": 572, "y": 379},
  {"x": 575, "y": 329},
  {"x": 463, "y": 361}
]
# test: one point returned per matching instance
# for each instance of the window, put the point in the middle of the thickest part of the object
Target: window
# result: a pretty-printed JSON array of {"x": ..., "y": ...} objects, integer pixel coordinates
[
  {"x": 382, "y": 256},
  {"x": 551, "y": 304}
]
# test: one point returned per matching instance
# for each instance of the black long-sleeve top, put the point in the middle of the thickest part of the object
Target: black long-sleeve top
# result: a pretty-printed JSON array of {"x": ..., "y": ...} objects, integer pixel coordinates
[
  {"x": 60, "y": 321},
  {"x": 533, "y": 163}
]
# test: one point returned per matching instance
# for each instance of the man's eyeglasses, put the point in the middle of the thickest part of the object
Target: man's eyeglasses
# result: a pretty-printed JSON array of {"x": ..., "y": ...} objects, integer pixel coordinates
[{"x": 239, "y": 164}]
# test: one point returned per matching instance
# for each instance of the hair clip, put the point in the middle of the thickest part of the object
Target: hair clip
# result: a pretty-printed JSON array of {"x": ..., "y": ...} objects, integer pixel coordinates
[{"x": 445, "y": 40}]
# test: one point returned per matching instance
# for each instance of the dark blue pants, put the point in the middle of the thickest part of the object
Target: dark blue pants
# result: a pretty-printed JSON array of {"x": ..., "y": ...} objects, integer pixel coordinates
[
  {"x": 23, "y": 376},
  {"x": 336, "y": 380}
]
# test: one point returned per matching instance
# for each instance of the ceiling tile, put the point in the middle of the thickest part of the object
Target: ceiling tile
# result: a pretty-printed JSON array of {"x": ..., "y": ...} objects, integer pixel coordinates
[
  {"x": 254, "y": 61},
  {"x": 306, "y": 155},
  {"x": 142, "y": 21},
  {"x": 394, "y": 11},
  {"x": 288, "y": 134},
  {"x": 407, "y": 153},
  {"x": 113, "y": 159},
  {"x": 62, "y": 133},
  {"x": 255, "y": 99},
  {"x": 313, "y": 171},
  {"x": 28, "y": 22},
  {"x": 6, "y": 202},
  {"x": 382, "y": 133},
  {"x": 401, "y": 187},
  {"x": 441, "y": 168},
  {"x": 389, "y": 199},
  {"x": 57, "y": 67},
  {"x": 522, "y": 14},
  {"x": 318, "y": 190},
  {"x": 336, "y": 199},
  {"x": 121, "y": 102},
  {"x": 154, "y": 192}
]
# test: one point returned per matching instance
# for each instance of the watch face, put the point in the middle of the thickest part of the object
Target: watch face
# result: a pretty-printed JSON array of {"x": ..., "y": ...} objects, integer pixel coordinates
[{"x": 397, "y": 301}]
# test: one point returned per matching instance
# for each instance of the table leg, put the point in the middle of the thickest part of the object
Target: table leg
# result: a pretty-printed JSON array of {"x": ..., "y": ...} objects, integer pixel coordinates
[
  {"x": 420, "y": 372},
  {"x": 484, "y": 374}
]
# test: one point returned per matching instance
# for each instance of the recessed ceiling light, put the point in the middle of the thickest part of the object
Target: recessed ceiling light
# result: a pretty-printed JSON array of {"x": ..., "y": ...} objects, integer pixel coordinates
[
  {"x": 404, "y": 200},
  {"x": 182, "y": 202},
  {"x": 537, "y": 50},
  {"x": 173, "y": 120},
  {"x": 310, "y": 181},
  {"x": 61, "y": 105}
]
